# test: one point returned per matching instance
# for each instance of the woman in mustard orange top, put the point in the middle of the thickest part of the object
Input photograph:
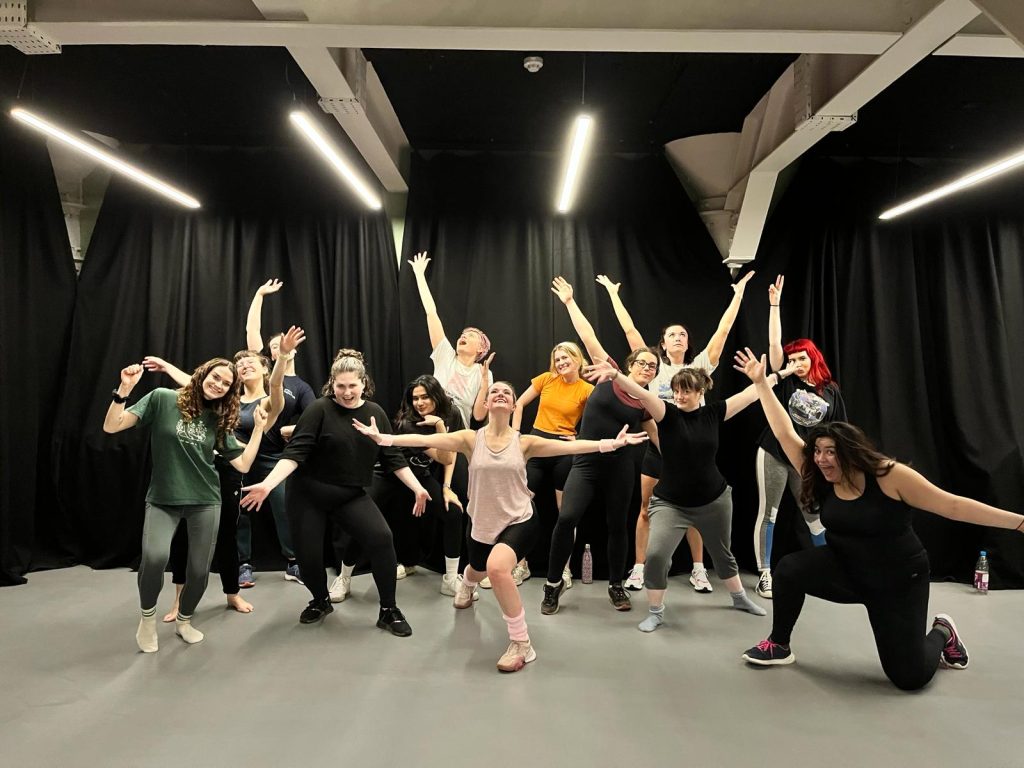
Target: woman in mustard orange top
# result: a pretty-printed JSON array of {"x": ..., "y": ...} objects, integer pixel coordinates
[{"x": 563, "y": 394}]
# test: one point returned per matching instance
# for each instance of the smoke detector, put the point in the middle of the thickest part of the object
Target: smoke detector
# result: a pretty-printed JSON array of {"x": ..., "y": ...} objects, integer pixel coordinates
[{"x": 533, "y": 64}]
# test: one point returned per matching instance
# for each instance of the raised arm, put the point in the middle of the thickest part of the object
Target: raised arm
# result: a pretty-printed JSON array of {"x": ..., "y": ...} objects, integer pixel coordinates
[
  {"x": 633, "y": 336},
  {"x": 917, "y": 491},
  {"x": 434, "y": 328},
  {"x": 561, "y": 288},
  {"x": 775, "y": 354},
  {"x": 116, "y": 419},
  {"x": 479, "y": 405},
  {"x": 286, "y": 353},
  {"x": 524, "y": 400},
  {"x": 779, "y": 421},
  {"x": 605, "y": 371},
  {"x": 254, "y": 320},
  {"x": 244, "y": 462},
  {"x": 717, "y": 343},
  {"x": 461, "y": 441},
  {"x": 747, "y": 396},
  {"x": 155, "y": 364},
  {"x": 539, "y": 447}
]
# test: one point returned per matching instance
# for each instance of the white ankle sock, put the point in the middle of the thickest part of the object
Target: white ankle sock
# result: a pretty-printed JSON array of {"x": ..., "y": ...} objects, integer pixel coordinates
[
  {"x": 451, "y": 567},
  {"x": 145, "y": 636},
  {"x": 346, "y": 570},
  {"x": 698, "y": 566},
  {"x": 184, "y": 629}
]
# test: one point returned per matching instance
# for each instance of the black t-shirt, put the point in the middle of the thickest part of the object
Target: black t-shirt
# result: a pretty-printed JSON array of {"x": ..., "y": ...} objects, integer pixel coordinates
[
  {"x": 608, "y": 408},
  {"x": 329, "y": 449},
  {"x": 298, "y": 396},
  {"x": 420, "y": 463},
  {"x": 689, "y": 443},
  {"x": 806, "y": 409}
]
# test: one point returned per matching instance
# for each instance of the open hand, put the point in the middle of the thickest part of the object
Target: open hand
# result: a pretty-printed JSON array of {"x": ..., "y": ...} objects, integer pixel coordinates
[
  {"x": 154, "y": 364},
  {"x": 613, "y": 288},
  {"x": 750, "y": 365},
  {"x": 419, "y": 263},
  {"x": 600, "y": 371},
  {"x": 450, "y": 497},
  {"x": 741, "y": 285},
  {"x": 255, "y": 497},
  {"x": 561, "y": 288},
  {"x": 422, "y": 497},
  {"x": 486, "y": 365},
  {"x": 291, "y": 339},
  {"x": 273, "y": 285},
  {"x": 625, "y": 437},
  {"x": 370, "y": 431},
  {"x": 430, "y": 420}
]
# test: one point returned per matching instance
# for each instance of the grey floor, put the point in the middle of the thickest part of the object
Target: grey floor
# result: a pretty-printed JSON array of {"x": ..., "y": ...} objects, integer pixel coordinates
[{"x": 264, "y": 691}]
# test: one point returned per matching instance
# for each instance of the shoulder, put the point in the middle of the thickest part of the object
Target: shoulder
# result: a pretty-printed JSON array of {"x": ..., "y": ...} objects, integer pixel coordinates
[
  {"x": 443, "y": 349},
  {"x": 542, "y": 380}
]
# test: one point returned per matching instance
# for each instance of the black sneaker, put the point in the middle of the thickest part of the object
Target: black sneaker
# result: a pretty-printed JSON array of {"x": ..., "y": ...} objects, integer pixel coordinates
[
  {"x": 315, "y": 611},
  {"x": 394, "y": 622},
  {"x": 549, "y": 605},
  {"x": 768, "y": 654},
  {"x": 619, "y": 598},
  {"x": 954, "y": 652}
]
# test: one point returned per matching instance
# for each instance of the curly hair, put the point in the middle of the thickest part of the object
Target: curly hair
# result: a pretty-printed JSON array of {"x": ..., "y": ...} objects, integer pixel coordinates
[
  {"x": 854, "y": 452},
  {"x": 819, "y": 372},
  {"x": 349, "y": 361},
  {"x": 191, "y": 401},
  {"x": 264, "y": 363},
  {"x": 444, "y": 409}
]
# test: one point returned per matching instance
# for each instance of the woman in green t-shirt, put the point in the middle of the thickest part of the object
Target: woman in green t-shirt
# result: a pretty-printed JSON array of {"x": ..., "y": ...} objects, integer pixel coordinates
[{"x": 185, "y": 427}]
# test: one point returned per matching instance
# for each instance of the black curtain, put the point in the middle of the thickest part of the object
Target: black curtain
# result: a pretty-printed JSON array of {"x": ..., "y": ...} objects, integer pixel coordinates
[
  {"x": 162, "y": 280},
  {"x": 37, "y": 278},
  {"x": 920, "y": 319}
]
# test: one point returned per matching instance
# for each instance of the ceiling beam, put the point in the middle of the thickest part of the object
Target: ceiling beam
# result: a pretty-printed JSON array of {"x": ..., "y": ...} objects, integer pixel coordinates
[{"x": 1008, "y": 16}]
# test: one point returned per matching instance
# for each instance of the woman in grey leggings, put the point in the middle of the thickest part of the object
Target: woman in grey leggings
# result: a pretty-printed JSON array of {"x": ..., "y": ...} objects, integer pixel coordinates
[
  {"x": 691, "y": 491},
  {"x": 185, "y": 427}
]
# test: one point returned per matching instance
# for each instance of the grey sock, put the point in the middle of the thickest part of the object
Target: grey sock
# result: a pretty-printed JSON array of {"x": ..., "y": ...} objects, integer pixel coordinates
[
  {"x": 741, "y": 602},
  {"x": 654, "y": 620}
]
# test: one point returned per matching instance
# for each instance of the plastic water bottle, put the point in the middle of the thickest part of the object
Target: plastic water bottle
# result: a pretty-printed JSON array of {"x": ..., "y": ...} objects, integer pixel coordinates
[
  {"x": 981, "y": 573},
  {"x": 588, "y": 566}
]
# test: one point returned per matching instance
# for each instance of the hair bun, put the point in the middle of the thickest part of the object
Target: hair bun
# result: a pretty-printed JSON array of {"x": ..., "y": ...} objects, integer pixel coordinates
[{"x": 346, "y": 352}]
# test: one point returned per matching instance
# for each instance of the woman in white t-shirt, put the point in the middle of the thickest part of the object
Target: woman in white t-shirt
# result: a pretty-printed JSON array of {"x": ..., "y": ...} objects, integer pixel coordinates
[{"x": 676, "y": 354}]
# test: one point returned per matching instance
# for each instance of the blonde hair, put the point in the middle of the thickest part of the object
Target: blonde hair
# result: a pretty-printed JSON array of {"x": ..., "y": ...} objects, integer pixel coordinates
[
  {"x": 572, "y": 350},
  {"x": 349, "y": 361}
]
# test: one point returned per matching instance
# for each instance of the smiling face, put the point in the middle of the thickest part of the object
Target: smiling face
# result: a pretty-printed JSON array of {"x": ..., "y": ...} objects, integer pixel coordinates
[
  {"x": 500, "y": 397},
  {"x": 675, "y": 341},
  {"x": 249, "y": 369},
  {"x": 803, "y": 364},
  {"x": 422, "y": 403},
  {"x": 217, "y": 382},
  {"x": 687, "y": 399},
  {"x": 643, "y": 368},
  {"x": 826, "y": 460},
  {"x": 470, "y": 343},
  {"x": 348, "y": 389},
  {"x": 564, "y": 364}
]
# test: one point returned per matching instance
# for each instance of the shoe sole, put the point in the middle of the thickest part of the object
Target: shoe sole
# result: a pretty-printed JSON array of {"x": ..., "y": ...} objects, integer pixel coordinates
[
  {"x": 623, "y": 607},
  {"x": 318, "y": 618},
  {"x": 632, "y": 588},
  {"x": 388, "y": 627},
  {"x": 702, "y": 590},
  {"x": 769, "y": 662},
  {"x": 548, "y": 612},
  {"x": 942, "y": 662},
  {"x": 520, "y": 662},
  {"x": 246, "y": 584},
  {"x": 341, "y": 599},
  {"x": 294, "y": 578},
  {"x": 765, "y": 595}
]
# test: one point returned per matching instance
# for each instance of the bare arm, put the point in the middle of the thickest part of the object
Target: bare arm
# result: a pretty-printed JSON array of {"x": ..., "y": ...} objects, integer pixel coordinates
[
  {"x": 775, "y": 354},
  {"x": 561, "y": 288},
  {"x": 633, "y": 336},
  {"x": 746, "y": 396},
  {"x": 651, "y": 428},
  {"x": 540, "y": 447},
  {"x": 479, "y": 404},
  {"x": 913, "y": 488},
  {"x": 155, "y": 364},
  {"x": 244, "y": 462},
  {"x": 409, "y": 481},
  {"x": 779, "y": 421},
  {"x": 116, "y": 419},
  {"x": 461, "y": 441},
  {"x": 274, "y": 404},
  {"x": 258, "y": 493},
  {"x": 441, "y": 457},
  {"x": 254, "y": 319},
  {"x": 527, "y": 397},
  {"x": 605, "y": 371},
  {"x": 717, "y": 343},
  {"x": 434, "y": 327}
]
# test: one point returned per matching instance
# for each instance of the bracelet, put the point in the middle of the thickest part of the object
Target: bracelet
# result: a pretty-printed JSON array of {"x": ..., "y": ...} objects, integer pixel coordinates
[
  {"x": 773, "y": 305},
  {"x": 119, "y": 399},
  {"x": 607, "y": 445},
  {"x": 386, "y": 440},
  {"x": 287, "y": 355},
  {"x": 447, "y": 486},
  {"x": 1020, "y": 523}
]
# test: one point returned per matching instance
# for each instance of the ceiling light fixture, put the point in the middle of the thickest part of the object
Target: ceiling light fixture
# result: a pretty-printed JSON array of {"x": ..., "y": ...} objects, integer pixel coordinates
[
  {"x": 315, "y": 137},
  {"x": 963, "y": 182},
  {"x": 580, "y": 140},
  {"x": 105, "y": 157}
]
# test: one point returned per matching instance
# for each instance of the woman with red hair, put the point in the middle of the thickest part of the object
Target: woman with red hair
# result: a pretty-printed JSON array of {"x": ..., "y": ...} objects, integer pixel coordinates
[{"x": 811, "y": 397}]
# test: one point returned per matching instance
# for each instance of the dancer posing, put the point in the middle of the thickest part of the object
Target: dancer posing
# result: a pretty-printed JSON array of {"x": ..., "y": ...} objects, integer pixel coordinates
[
  {"x": 185, "y": 427},
  {"x": 811, "y": 397},
  {"x": 501, "y": 507},
  {"x": 872, "y": 557},
  {"x": 675, "y": 353},
  {"x": 334, "y": 467}
]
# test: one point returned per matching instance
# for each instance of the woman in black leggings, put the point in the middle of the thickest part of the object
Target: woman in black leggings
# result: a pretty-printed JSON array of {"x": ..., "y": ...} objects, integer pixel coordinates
[
  {"x": 872, "y": 557},
  {"x": 333, "y": 466}
]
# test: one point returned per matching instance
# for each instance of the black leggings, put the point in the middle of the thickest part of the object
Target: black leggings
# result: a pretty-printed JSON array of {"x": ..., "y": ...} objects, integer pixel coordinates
[
  {"x": 608, "y": 478},
  {"x": 519, "y": 537},
  {"x": 898, "y": 613},
  {"x": 311, "y": 504},
  {"x": 225, "y": 554}
]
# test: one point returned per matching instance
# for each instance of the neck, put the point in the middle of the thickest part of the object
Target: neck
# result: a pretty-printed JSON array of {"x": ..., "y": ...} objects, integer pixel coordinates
[
  {"x": 465, "y": 357},
  {"x": 498, "y": 423},
  {"x": 571, "y": 378},
  {"x": 290, "y": 369},
  {"x": 676, "y": 358},
  {"x": 254, "y": 389}
]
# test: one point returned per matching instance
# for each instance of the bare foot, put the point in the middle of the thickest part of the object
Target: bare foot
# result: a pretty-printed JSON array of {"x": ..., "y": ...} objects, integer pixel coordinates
[
  {"x": 172, "y": 614},
  {"x": 239, "y": 603}
]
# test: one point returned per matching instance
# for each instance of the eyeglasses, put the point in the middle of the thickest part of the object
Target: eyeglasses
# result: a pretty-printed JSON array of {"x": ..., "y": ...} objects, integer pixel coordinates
[{"x": 653, "y": 366}]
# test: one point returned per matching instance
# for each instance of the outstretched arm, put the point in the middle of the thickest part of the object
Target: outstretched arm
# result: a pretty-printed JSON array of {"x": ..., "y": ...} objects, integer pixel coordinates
[
  {"x": 155, "y": 364},
  {"x": 917, "y": 491},
  {"x": 539, "y": 447},
  {"x": 434, "y": 328},
  {"x": 775, "y": 354},
  {"x": 461, "y": 441},
  {"x": 605, "y": 371},
  {"x": 258, "y": 493},
  {"x": 779, "y": 421},
  {"x": 254, "y": 320},
  {"x": 633, "y": 336},
  {"x": 561, "y": 288},
  {"x": 717, "y": 343}
]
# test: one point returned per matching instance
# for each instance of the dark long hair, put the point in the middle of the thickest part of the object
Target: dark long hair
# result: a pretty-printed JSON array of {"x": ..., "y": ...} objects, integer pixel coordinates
[
  {"x": 854, "y": 452},
  {"x": 662, "y": 355},
  {"x": 407, "y": 417},
  {"x": 191, "y": 401}
]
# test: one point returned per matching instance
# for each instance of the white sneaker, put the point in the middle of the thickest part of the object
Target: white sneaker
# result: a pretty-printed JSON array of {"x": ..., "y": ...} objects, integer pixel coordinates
[
  {"x": 449, "y": 584},
  {"x": 699, "y": 580},
  {"x": 404, "y": 570},
  {"x": 486, "y": 583},
  {"x": 635, "y": 582},
  {"x": 566, "y": 578},
  {"x": 520, "y": 573},
  {"x": 341, "y": 588},
  {"x": 465, "y": 595},
  {"x": 764, "y": 585}
]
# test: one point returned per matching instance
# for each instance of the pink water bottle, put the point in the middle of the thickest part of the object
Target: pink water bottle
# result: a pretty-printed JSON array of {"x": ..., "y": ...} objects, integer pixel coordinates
[
  {"x": 981, "y": 573},
  {"x": 588, "y": 566}
]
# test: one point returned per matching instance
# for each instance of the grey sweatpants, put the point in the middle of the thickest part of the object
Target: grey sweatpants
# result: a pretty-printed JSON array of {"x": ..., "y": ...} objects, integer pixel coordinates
[
  {"x": 772, "y": 478},
  {"x": 201, "y": 520},
  {"x": 668, "y": 527}
]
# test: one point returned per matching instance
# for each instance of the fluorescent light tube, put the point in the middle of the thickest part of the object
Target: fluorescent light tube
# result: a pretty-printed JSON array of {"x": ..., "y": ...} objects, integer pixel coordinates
[
  {"x": 573, "y": 166},
  {"x": 963, "y": 182},
  {"x": 105, "y": 157},
  {"x": 315, "y": 137}
]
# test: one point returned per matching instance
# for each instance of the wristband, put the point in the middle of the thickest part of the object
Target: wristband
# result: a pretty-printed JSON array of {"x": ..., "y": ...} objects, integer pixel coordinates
[
  {"x": 447, "y": 487},
  {"x": 118, "y": 398},
  {"x": 287, "y": 355},
  {"x": 386, "y": 440},
  {"x": 773, "y": 305},
  {"x": 608, "y": 445}
]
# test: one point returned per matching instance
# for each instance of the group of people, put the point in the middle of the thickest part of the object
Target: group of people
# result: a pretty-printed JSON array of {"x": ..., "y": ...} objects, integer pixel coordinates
[{"x": 236, "y": 435}]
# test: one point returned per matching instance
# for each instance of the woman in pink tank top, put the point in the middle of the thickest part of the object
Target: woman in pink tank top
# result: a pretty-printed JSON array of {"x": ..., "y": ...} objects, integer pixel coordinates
[{"x": 501, "y": 505}]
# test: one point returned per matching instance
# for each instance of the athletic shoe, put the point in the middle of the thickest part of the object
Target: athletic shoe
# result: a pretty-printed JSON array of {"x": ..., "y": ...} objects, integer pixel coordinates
[
  {"x": 404, "y": 570},
  {"x": 567, "y": 577},
  {"x": 549, "y": 605},
  {"x": 619, "y": 598},
  {"x": 291, "y": 572},
  {"x": 699, "y": 580},
  {"x": 635, "y": 582},
  {"x": 520, "y": 573},
  {"x": 340, "y": 589},
  {"x": 394, "y": 622},
  {"x": 954, "y": 652},
  {"x": 449, "y": 584},
  {"x": 315, "y": 611},
  {"x": 764, "y": 585},
  {"x": 245, "y": 576},
  {"x": 486, "y": 583},
  {"x": 464, "y": 594},
  {"x": 516, "y": 656},
  {"x": 768, "y": 654}
]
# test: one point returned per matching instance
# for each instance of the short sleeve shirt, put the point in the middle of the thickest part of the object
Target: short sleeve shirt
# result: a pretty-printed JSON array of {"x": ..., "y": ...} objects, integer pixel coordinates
[
  {"x": 689, "y": 443},
  {"x": 462, "y": 383},
  {"x": 561, "y": 405},
  {"x": 661, "y": 385}
]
